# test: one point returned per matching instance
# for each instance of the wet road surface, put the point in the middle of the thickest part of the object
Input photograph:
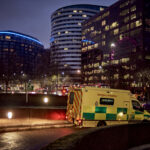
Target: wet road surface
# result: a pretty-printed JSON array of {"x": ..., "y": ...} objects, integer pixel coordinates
[{"x": 32, "y": 140}]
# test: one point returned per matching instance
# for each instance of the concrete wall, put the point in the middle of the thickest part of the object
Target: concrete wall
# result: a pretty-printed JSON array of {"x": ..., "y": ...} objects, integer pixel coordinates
[
  {"x": 118, "y": 137},
  {"x": 33, "y": 100},
  {"x": 33, "y": 111},
  {"x": 30, "y": 116}
]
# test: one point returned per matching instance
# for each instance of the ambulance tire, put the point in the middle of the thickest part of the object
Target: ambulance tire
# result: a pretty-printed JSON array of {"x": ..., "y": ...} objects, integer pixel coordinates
[{"x": 101, "y": 123}]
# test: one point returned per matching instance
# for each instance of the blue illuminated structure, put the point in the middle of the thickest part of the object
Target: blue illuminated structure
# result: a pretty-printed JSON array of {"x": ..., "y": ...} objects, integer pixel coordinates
[
  {"x": 20, "y": 35},
  {"x": 91, "y": 42},
  {"x": 19, "y": 54}
]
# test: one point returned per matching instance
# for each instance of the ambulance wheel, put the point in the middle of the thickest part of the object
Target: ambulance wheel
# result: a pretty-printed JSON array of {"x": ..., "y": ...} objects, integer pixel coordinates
[{"x": 101, "y": 123}]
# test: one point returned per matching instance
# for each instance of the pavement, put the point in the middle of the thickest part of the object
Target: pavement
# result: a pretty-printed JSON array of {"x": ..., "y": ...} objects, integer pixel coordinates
[
  {"x": 69, "y": 142},
  {"x": 33, "y": 125}
]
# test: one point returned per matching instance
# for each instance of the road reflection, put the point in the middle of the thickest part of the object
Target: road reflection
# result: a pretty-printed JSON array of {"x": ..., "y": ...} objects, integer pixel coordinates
[{"x": 32, "y": 140}]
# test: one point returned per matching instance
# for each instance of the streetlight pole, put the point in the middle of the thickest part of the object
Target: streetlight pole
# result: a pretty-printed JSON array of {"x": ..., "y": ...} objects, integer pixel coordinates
[
  {"x": 113, "y": 45},
  {"x": 26, "y": 89}
]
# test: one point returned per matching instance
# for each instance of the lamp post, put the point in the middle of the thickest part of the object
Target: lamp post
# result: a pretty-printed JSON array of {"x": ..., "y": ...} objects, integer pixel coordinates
[
  {"x": 24, "y": 76},
  {"x": 112, "y": 45}
]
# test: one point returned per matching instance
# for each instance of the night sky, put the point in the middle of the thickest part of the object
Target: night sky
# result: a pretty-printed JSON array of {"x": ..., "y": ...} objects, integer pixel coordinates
[{"x": 32, "y": 17}]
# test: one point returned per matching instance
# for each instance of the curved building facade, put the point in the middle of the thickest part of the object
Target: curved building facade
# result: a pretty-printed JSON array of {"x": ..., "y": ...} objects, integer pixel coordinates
[
  {"x": 66, "y": 39},
  {"x": 18, "y": 54}
]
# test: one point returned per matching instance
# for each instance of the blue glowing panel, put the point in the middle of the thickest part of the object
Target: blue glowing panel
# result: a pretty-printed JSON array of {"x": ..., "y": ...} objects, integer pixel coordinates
[
  {"x": 26, "y": 37},
  {"x": 91, "y": 42},
  {"x": 52, "y": 39}
]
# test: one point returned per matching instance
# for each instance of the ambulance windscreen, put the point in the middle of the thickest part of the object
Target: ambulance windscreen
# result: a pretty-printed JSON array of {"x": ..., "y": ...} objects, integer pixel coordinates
[{"x": 71, "y": 97}]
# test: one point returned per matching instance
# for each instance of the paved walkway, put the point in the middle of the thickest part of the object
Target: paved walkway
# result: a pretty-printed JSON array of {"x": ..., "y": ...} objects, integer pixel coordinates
[{"x": 7, "y": 125}]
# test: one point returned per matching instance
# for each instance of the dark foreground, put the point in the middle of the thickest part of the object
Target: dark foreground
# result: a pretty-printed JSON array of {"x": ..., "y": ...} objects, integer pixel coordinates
[{"x": 32, "y": 140}]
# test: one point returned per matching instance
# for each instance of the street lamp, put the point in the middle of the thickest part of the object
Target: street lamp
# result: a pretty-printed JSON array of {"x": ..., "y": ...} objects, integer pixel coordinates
[
  {"x": 78, "y": 71},
  {"x": 112, "y": 52},
  {"x": 45, "y": 99},
  {"x": 100, "y": 67},
  {"x": 113, "y": 45},
  {"x": 24, "y": 76},
  {"x": 9, "y": 115}
]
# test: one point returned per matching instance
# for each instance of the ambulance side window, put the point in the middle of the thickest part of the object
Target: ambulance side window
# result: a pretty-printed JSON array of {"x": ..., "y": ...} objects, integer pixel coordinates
[
  {"x": 107, "y": 101},
  {"x": 71, "y": 97}
]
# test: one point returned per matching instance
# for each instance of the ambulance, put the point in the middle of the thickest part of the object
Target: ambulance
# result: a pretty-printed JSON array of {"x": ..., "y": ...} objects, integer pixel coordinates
[{"x": 94, "y": 107}]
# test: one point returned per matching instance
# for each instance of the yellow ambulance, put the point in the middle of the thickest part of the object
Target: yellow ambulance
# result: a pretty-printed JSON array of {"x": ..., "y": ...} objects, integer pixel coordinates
[{"x": 93, "y": 107}]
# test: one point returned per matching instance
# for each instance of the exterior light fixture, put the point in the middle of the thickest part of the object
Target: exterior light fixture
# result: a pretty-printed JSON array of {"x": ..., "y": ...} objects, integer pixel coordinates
[
  {"x": 113, "y": 45},
  {"x": 45, "y": 100},
  {"x": 100, "y": 67},
  {"x": 78, "y": 71},
  {"x": 9, "y": 115}
]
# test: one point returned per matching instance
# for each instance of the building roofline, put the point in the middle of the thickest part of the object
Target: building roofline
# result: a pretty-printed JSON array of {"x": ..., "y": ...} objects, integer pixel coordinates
[
  {"x": 21, "y": 35},
  {"x": 77, "y": 5}
]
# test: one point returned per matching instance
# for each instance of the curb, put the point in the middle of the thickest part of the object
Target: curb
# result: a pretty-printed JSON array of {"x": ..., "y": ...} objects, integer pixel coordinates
[{"x": 33, "y": 127}]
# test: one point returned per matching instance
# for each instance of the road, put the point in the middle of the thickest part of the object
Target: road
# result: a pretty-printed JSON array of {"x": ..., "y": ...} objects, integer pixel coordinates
[{"x": 32, "y": 140}]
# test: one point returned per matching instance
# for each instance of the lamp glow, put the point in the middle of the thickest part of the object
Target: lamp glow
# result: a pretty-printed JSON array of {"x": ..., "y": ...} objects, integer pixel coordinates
[
  {"x": 45, "y": 100},
  {"x": 120, "y": 114},
  {"x": 9, "y": 115},
  {"x": 113, "y": 45}
]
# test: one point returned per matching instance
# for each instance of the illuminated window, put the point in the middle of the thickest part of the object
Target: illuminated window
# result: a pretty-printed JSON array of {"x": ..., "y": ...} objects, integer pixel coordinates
[
  {"x": 58, "y": 33},
  {"x": 75, "y": 11},
  {"x": 133, "y": 16},
  {"x": 106, "y": 56},
  {"x": 65, "y": 65},
  {"x": 96, "y": 45},
  {"x": 103, "y": 36},
  {"x": 105, "y": 14},
  {"x": 115, "y": 62},
  {"x": 92, "y": 28},
  {"x": 65, "y": 48},
  {"x": 89, "y": 47},
  {"x": 107, "y": 28},
  {"x": 116, "y": 31},
  {"x": 114, "y": 24},
  {"x": 126, "y": 76},
  {"x": 66, "y": 32},
  {"x": 124, "y": 4},
  {"x": 7, "y": 37},
  {"x": 84, "y": 16},
  {"x": 103, "y": 43},
  {"x": 103, "y": 22},
  {"x": 125, "y": 60},
  {"x": 124, "y": 12},
  {"x": 101, "y": 8},
  {"x": 126, "y": 19},
  {"x": 80, "y": 11},
  {"x": 70, "y": 15},
  {"x": 79, "y": 23},
  {"x": 116, "y": 76},
  {"x": 133, "y": 8},
  {"x": 138, "y": 23}
]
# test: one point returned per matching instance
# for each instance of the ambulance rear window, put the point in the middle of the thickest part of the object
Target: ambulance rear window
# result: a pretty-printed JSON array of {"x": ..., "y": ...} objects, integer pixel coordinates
[
  {"x": 71, "y": 97},
  {"x": 107, "y": 101}
]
